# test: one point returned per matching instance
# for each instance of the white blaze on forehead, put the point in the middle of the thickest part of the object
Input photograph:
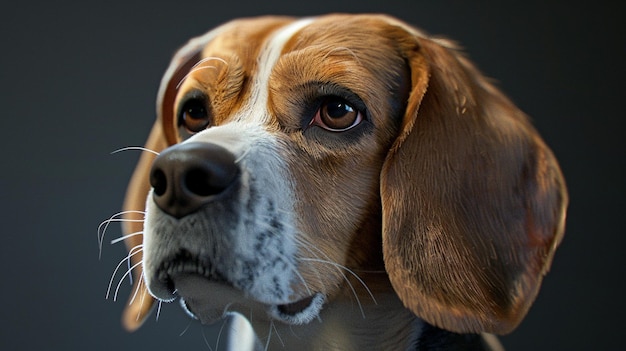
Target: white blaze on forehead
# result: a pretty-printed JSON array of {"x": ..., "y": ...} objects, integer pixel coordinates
[
  {"x": 247, "y": 126},
  {"x": 256, "y": 107}
]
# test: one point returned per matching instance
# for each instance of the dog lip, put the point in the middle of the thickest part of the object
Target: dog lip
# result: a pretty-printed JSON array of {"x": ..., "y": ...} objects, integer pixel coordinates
[
  {"x": 296, "y": 307},
  {"x": 300, "y": 312},
  {"x": 182, "y": 264}
]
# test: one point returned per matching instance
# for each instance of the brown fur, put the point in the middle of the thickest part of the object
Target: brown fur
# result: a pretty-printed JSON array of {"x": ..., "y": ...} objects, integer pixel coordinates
[
  {"x": 466, "y": 200},
  {"x": 473, "y": 189}
]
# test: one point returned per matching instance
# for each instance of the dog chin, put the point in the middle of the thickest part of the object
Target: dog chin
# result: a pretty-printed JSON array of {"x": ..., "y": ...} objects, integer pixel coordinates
[{"x": 209, "y": 301}]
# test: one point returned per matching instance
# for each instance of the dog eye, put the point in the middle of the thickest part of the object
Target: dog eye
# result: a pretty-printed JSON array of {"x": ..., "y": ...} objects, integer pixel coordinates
[
  {"x": 194, "y": 116},
  {"x": 336, "y": 115}
]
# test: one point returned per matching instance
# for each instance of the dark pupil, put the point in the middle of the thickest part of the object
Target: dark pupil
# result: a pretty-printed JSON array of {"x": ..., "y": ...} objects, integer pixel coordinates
[
  {"x": 196, "y": 112},
  {"x": 337, "y": 109}
]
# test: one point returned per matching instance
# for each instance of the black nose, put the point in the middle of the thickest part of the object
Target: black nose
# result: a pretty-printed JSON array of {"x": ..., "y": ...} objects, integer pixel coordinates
[{"x": 187, "y": 176}]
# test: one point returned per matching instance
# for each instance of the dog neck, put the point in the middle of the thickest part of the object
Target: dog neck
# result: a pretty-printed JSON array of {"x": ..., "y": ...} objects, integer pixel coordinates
[
  {"x": 365, "y": 314},
  {"x": 354, "y": 320}
]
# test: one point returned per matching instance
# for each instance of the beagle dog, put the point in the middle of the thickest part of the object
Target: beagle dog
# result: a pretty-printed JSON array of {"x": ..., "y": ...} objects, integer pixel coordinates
[{"x": 342, "y": 182}]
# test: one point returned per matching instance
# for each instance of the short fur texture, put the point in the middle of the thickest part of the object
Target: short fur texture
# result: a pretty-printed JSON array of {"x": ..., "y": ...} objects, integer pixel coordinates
[{"x": 442, "y": 206}]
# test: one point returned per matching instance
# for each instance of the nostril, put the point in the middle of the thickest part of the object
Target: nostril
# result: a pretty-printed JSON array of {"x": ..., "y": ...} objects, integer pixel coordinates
[
  {"x": 199, "y": 182},
  {"x": 158, "y": 180}
]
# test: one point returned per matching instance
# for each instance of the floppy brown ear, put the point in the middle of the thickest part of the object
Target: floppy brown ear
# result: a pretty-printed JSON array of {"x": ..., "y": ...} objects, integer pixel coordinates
[
  {"x": 163, "y": 134},
  {"x": 473, "y": 200},
  {"x": 140, "y": 302}
]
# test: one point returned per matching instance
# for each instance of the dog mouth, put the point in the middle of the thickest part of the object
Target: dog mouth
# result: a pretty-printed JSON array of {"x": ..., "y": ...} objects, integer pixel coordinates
[
  {"x": 294, "y": 308},
  {"x": 182, "y": 265},
  {"x": 205, "y": 294},
  {"x": 299, "y": 312}
]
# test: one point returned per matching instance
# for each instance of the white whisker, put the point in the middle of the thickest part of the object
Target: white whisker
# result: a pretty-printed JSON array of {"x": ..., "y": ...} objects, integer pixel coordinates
[
  {"x": 290, "y": 264},
  {"x": 136, "y": 148},
  {"x": 191, "y": 72},
  {"x": 210, "y": 58},
  {"x": 358, "y": 301},
  {"x": 124, "y": 237},
  {"x": 117, "y": 289},
  {"x": 306, "y": 246},
  {"x": 140, "y": 283},
  {"x": 242, "y": 156},
  {"x": 342, "y": 267},
  {"x": 196, "y": 68},
  {"x": 273, "y": 325},
  {"x": 269, "y": 336},
  {"x": 138, "y": 316},
  {"x": 225, "y": 311},
  {"x": 206, "y": 342},
  {"x": 136, "y": 249},
  {"x": 158, "y": 313},
  {"x": 186, "y": 328},
  {"x": 139, "y": 248},
  {"x": 143, "y": 296},
  {"x": 104, "y": 225},
  {"x": 219, "y": 334},
  {"x": 294, "y": 269}
]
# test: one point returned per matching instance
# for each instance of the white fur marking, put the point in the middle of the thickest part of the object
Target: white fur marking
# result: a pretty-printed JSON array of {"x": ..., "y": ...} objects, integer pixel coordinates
[{"x": 257, "y": 104}]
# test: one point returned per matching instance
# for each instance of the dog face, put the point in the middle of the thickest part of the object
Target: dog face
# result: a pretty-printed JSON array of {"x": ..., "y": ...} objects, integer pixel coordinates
[{"x": 295, "y": 151}]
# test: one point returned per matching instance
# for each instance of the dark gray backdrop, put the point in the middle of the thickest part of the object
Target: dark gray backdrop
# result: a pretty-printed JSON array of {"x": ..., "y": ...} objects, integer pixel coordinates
[{"x": 79, "y": 81}]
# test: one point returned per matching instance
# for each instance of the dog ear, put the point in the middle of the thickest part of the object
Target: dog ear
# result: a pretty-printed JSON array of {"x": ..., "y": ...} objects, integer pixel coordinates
[
  {"x": 163, "y": 134},
  {"x": 140, "y": 302},
  {"x": 473, "y": 200}
]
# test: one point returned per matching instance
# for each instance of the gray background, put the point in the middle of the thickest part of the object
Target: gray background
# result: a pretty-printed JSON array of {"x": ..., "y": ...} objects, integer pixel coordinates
[{"x": 79, "y": 81}]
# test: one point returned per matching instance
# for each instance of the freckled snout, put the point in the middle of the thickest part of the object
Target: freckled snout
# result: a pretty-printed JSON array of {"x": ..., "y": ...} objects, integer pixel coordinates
[{"x": 187, "y": 176}]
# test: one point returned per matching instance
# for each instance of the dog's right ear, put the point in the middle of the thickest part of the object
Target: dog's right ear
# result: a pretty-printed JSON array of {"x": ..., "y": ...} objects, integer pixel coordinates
[
  {"x": 163, "y": 134},
  {"x": 474, "y": 202}
]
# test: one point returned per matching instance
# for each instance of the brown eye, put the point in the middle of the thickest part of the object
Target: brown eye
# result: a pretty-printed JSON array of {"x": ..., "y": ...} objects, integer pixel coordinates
[
  {"x": 194, "y": 116},
  {"x": 337, "y": 115}
]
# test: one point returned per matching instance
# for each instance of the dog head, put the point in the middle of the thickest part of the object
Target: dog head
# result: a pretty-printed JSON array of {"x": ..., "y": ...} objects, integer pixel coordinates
[{"x": 289, "y": 148}]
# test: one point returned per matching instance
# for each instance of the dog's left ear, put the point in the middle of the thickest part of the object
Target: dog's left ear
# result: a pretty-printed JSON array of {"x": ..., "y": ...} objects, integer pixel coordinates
[
  {"x": 473, "y": 200},
  {"x": 163, "y": 134}
]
